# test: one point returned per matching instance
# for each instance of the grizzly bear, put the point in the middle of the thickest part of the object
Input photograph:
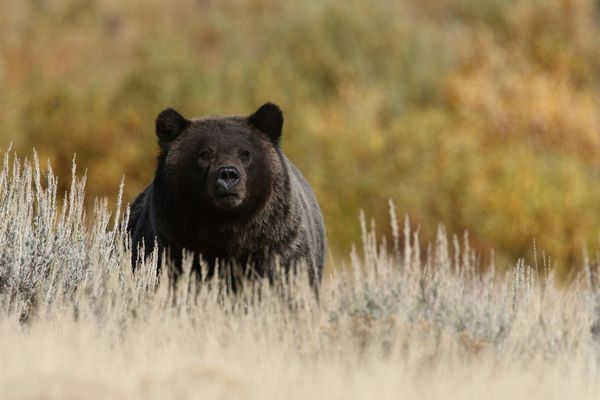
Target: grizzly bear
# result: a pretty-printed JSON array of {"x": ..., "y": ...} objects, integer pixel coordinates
[{"x": 225, "y": 192}]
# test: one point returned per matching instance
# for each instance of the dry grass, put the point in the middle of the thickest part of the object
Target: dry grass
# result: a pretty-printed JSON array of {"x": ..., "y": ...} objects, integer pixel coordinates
[{"x": 75, "y": 323}]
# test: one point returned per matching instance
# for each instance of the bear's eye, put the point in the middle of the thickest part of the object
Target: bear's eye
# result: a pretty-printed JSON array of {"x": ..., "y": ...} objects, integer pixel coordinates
[
  {"x": 245, "y": 155},
  {"x": 204, "y": 155}
]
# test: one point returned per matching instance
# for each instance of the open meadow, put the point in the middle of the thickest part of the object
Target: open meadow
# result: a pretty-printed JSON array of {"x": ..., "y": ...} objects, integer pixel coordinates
[
  {"x": 391, "y": 321},
  {"x": 479, "y": 119}
]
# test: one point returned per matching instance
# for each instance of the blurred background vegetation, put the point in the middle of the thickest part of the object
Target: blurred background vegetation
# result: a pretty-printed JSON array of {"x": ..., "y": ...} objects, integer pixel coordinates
[{"x": 480, "y": 115}]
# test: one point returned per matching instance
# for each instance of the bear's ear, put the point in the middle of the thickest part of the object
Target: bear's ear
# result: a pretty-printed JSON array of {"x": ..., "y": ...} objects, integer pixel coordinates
[
  {"x": 268, "y": 119},
  {"x": 169, "y": 124}
]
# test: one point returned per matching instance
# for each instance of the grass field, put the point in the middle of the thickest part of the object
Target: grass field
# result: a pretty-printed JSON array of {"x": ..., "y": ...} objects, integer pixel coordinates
[{"x": 392, "y": 321}]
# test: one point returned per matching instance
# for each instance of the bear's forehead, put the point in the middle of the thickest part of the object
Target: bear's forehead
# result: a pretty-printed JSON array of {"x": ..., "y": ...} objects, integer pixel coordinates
[
  {"x": 225, "y": 130},
  {"x": 220, "y": 125},
  {"x": 217, "y": 122}
]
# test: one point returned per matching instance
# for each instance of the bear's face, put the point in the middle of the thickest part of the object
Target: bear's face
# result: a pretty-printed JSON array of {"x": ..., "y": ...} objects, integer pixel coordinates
[{"x": 223, "y": 166}]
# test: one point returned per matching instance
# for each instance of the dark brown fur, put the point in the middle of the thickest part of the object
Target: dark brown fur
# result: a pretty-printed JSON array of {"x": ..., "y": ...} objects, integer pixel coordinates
[{"x": 271, "y": 216}]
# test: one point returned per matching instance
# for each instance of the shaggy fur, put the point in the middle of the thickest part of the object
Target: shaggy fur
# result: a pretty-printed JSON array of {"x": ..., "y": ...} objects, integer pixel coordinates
[{"x": 270, "y": 216}]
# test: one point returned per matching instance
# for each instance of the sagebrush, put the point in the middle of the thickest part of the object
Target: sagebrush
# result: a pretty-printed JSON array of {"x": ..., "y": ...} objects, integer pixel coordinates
[{"x": 391, "y": 321}]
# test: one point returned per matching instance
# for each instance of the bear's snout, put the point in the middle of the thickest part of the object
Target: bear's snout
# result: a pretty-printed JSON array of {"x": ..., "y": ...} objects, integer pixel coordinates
[{"x": 227, "y": 178}]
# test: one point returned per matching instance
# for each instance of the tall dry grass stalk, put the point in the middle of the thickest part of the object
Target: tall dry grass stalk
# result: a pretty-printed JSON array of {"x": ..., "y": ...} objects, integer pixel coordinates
[{"x": 76, "y": 323}]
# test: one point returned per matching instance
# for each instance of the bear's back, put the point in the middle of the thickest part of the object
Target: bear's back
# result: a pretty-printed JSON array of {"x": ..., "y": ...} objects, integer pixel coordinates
[{"x": 305, "y": 202}]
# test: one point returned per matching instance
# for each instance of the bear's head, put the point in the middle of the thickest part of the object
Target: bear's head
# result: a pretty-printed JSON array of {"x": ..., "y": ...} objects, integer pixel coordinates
[{"x": 221, "y": 167}]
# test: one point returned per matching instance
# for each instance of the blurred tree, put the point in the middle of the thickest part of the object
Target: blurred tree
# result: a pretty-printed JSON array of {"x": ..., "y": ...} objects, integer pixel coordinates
[{"x": 482, "y": 116}]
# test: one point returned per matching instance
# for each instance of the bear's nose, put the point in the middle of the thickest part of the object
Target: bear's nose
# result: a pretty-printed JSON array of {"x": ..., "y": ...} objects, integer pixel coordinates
[{"x": 227, "y": 177}]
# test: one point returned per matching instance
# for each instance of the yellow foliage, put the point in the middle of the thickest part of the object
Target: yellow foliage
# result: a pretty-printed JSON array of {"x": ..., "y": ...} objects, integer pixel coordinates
[{"x": 481, "y": 115}]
